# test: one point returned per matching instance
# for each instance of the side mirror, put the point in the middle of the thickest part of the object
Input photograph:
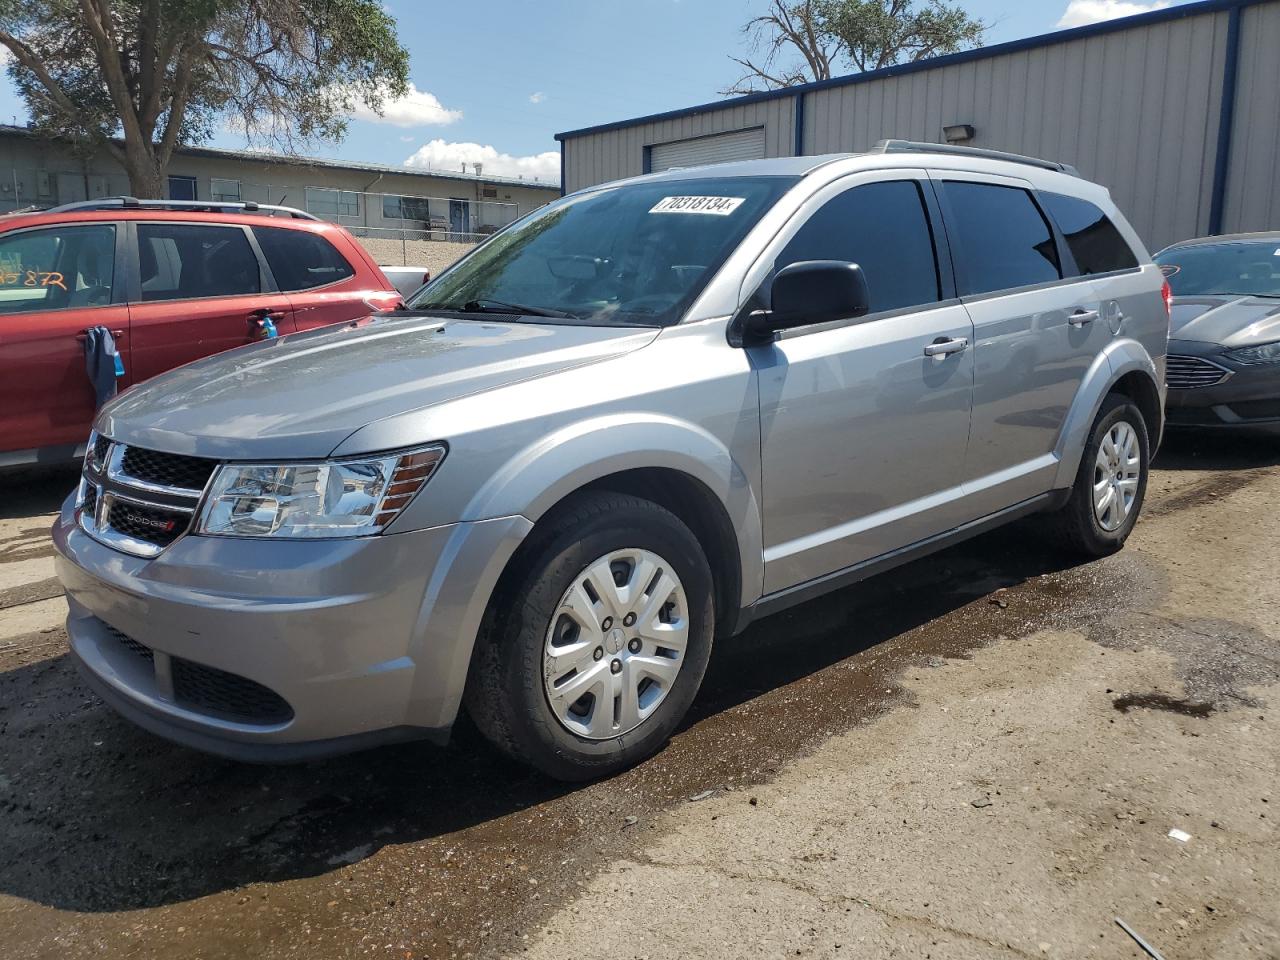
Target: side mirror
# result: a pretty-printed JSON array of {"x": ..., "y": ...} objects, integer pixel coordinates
[{"x": 809, "y": 292}]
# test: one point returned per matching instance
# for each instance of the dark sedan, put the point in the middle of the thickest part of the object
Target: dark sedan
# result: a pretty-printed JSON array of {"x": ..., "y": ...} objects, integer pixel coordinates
[{"x": 1224, "y": 340}]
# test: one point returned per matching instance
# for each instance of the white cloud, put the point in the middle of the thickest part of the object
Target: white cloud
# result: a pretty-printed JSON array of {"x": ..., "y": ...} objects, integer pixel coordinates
[
  {"x": 416, "y": 108},
  {"x": 537, "y": 97},
  {"x": 440, "y": 155},
  {"x": 1082, "y": 12},
  {"x": 408, "y": 139},
  {"x": 5, "y": 56}
]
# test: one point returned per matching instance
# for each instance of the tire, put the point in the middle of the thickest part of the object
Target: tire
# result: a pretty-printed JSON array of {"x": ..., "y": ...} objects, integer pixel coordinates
[
  {"x": 544, "y": 619},
  {"x": 1078, "y": 526}
]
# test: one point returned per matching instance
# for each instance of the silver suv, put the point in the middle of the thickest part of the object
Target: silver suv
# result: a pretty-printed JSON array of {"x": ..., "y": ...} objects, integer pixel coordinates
[{"x": 631, "y": 422}]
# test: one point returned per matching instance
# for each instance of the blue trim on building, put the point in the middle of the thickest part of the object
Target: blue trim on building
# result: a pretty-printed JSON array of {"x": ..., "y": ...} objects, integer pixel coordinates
[
  {"x": 965, "y": 56},
  {"x": 797, "y": 121},
  {"x": 1226, "y": 124}
]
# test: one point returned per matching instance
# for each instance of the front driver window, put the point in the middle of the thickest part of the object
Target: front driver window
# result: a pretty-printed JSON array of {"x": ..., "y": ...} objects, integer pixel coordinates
[
  {"x": 883, "y": 228},
  {"x": 57, "y": 268}
]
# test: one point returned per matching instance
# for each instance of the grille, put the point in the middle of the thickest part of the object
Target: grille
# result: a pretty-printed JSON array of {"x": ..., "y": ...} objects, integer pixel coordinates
[
  {"x": 1187, "y": 373},
  {"x": 211, "y": 691},
  {"x": 167, "y": 469},
  {"x": 151, "y": 524},
  {"x": 90, "y": 505},
  {"x": 130, "y": 644},
  {"x": 227, "y": 695}
]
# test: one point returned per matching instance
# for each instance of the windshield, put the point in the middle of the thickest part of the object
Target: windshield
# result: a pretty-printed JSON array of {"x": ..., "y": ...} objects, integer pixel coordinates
[
  {"x": 1239, "y": 268},
  {"x": 633, "y": 254}
]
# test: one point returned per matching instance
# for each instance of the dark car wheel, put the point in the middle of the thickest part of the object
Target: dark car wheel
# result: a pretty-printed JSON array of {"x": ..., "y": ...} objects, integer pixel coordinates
[
  {"x": 1110, "y": 484},
  {"x": 594, "y": 648}
]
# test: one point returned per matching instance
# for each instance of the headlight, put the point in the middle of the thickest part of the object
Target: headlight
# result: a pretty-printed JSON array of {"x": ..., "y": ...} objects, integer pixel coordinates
[
  {"x": 1263, "y": 353},
  {"x": 337, "y": 498}
]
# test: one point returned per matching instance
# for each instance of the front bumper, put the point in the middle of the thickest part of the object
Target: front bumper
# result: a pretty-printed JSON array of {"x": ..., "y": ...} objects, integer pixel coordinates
[
  {"x": 1248, "y": 398},
  {"x": 284, "y": 650}
]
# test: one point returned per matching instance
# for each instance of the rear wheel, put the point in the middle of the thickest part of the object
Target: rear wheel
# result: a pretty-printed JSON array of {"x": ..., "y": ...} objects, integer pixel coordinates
[
  {"x": 594, "y": 649},
  {"x": 1110, "y": 483}
]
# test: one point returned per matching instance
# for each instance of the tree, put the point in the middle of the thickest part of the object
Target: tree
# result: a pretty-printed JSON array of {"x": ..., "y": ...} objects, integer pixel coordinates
[
  {"x": 862, "y": 34},
  {"x": 143, "y": 77}
]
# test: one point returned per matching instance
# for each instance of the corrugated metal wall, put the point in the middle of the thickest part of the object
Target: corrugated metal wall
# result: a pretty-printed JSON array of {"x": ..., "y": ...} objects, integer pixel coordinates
[
  {"x": 600, "y": 157},
  {"x": 1253, "y": 187},
  {"x": 1135, "y": 109}
]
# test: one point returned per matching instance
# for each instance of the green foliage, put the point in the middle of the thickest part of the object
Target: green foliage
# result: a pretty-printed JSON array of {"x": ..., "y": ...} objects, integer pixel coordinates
[
  {"x": 160, "y": 73},
  {"x": 806, "y": 40},
  {"x": 880, "y": 33}
]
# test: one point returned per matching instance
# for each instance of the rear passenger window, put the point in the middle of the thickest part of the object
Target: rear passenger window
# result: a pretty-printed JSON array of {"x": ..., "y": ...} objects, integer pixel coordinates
[
  {"x": 883, "y": 228},
  {"x": 300, "y": 259},
  {"x": 180, "y": 261},
  {"x": 1092, "y": 238},
  {"x": 1000, "y": 240}
]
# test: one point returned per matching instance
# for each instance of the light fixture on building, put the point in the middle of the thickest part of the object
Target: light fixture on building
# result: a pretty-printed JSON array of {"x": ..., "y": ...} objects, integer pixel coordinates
[{"x": 958, "y": 133}]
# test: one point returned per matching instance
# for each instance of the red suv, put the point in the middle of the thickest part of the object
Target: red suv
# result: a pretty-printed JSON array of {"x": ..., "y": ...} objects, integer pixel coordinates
[{"x": 173, "y": 282}]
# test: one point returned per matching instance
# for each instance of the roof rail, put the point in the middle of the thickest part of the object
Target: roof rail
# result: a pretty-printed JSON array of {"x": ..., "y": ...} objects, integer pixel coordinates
[
  {"x": 193, "y": 206},
  {"x": 916, "y": 146}
]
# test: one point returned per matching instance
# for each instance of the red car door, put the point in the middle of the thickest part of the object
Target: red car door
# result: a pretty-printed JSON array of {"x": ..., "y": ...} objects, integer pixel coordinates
[
  {"x": 328, "y": 277},
  {"x": 55, "y": 282},
  {"x": 198, "y": 290}
]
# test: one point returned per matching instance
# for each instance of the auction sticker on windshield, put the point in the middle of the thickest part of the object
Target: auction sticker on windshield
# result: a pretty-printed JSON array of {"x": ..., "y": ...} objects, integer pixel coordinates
[{"x": 716, "y": 206}]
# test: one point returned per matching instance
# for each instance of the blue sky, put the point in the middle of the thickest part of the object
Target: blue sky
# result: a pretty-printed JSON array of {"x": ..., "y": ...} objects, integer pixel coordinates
[{"x": 493, "y": 81}]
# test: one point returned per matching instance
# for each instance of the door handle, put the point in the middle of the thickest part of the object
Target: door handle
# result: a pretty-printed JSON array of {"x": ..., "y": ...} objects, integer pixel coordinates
[
  {"x": 83, "y": 335},
  {"x": 266, "y": 313},
  {"x": 945, "y": 345},
  {"x": 1081, "y": 317}
]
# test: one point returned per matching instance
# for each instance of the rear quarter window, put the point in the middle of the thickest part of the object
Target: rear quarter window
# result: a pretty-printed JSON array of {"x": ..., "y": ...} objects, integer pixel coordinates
[
  {"x": 300, "y": 259},
  {"x": 1095, "y": 243}
]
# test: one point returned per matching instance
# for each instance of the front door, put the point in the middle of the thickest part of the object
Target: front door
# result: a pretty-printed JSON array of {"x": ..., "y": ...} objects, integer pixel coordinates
[
  {"x": 199, "y": 291},
  {"x": 863, "y": 433},
  {"x": 1035, "y": 334},
  {"x": 55, "y": 282},
  {"x": 459, "y": 216}
]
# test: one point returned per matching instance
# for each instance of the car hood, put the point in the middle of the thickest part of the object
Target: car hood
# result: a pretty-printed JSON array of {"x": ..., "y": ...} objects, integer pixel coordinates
[
  {"x": 1230, "y": 321},
  {"x": 300, "y": 396}
]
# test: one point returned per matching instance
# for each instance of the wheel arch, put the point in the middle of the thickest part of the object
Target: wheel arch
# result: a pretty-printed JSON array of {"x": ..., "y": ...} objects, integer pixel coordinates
[
  {"x": 1123, "y": 367},
  {"x": 673, "y": 462}
]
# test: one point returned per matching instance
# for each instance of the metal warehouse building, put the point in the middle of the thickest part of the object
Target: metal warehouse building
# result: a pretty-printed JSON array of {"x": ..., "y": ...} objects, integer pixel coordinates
[{"x": 1176, "y": 111}]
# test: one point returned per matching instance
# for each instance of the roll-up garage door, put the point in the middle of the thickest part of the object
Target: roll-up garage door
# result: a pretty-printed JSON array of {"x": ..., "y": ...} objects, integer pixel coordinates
[{"x": 718, "y": 148}]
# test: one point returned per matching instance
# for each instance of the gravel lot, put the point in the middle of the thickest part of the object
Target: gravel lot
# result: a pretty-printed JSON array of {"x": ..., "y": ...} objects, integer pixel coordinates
[{"x": 979, "y": 755}]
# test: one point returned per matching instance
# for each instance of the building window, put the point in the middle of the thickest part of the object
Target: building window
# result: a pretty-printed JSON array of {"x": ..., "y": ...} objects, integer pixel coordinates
[
  {"x": 228, "y": 191},
  {"x": 325, "y": 202},
  {"x": 182, "y": 188},
  {"x": 406, "y": 208}
]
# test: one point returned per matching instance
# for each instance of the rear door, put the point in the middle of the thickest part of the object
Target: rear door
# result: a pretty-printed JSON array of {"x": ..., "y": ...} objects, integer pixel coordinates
[
  {"x": 55, "y": 282},
  {"x": 864, "y": 422},
  {"x": 198, "y": 289},
  {"x": 1035, "y": 333},
  {"x": 325, "y": 284}
]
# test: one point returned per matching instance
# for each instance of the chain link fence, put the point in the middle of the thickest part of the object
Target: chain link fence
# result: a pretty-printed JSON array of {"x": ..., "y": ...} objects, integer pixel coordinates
[{"x": 397, "y": 229}]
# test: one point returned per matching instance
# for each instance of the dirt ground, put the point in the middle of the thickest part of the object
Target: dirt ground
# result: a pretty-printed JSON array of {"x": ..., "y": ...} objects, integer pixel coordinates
[{"x": 979, "y": 755}]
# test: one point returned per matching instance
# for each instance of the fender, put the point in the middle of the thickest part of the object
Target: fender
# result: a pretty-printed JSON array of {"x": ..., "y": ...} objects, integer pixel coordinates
[
  {"x": 555, "y": 465},
  {"x": 1120, "y": 357}
]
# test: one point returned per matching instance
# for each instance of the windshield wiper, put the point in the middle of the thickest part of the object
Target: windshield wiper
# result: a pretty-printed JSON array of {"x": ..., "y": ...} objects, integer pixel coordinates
[{"x": 498, "y": 306}]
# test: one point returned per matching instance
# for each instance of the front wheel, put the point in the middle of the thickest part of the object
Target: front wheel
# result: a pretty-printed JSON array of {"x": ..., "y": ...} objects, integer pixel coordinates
[
  {"x": 594, "y": 649},
  {"x": 1110, "y": 485}
]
